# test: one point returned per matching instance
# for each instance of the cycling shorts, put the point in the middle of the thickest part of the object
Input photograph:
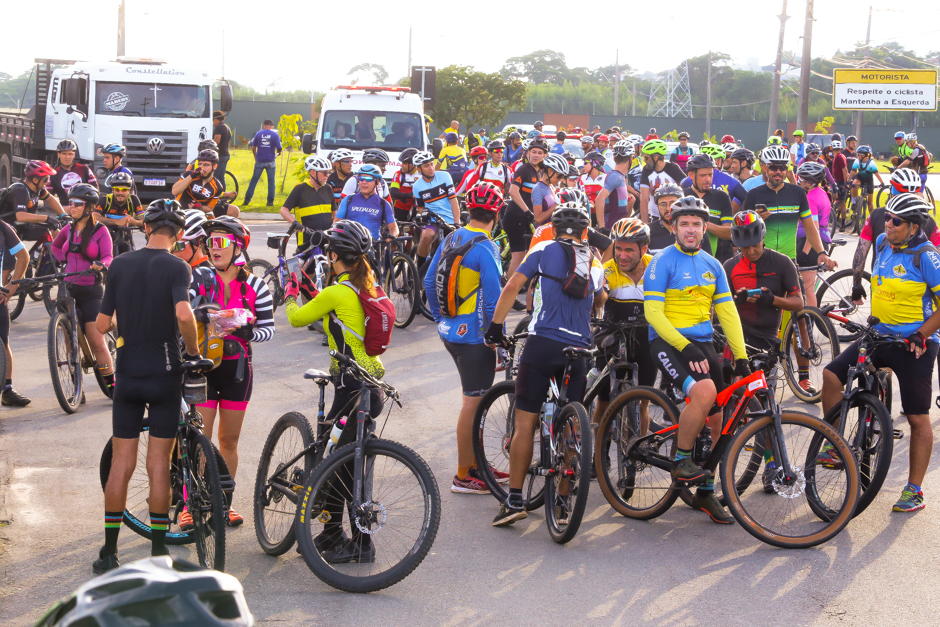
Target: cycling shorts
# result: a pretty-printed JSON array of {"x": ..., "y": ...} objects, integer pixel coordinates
[
  {"x": 517, "y": 225},
  {"x": 224, "y": 390},
  {"x": 914, "y": 376},
  {"x": 404, "y": 216},
  {"x": 638, "y": 352},
  {"x": 805, "y": 259},
  {"x": 220, "y": 210},
  {"x": 87, "y": 301},
  {"x": 676, "y": 369},
  {"x": 476, "y": 365},
  {"x": 541, "y": 360},
  {"x": 161, "y": 396},
  {"x": 923, "y": 182},
  {"x": 5, "y": 325},
  {"x": 31, "y": 232},
  {"x": 867, "y": 187}
]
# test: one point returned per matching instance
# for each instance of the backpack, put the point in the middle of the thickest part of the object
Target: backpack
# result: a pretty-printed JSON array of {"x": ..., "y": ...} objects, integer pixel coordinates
[
  {"x": 380, "y": 320},
  {"x": 5, "y": 191},
  {"x": 906, "y": 251},
  {"x": 448, "y": 268},
  {"x": 577, "y": 283}
]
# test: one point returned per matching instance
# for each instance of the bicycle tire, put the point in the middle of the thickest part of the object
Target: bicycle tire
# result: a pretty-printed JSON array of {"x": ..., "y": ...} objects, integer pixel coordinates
[
  {"x": 874, "y": 448},
  {"x": 844, "y": 497},
  {"x": 327, "y": 479},
  {"x": 110, "y": 340},
  {"x": 65, "y": 369},
  {"x": 883, "y": 195},
  {"x": 826, "y": 348},
  {"x": 839, "y": 290},
  {"x": 274, "y": 536},
  {"x": 234, "y": 184},
  {"x": 265, "y": 271},
  {"x": 422, "y": 296},
  {"x": 627, "y": 492},
  {"x": 17, "y": 309},
  {"x": 207, "y": 504},
  {"x": 862, "y": 213},
  {"x": 402, "y": 279},
  {"x": 571, "y": 435}
]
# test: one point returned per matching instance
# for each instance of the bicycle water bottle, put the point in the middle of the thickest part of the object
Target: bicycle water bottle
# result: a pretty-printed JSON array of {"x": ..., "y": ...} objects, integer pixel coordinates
[
  {"x": 592, "y": 376},
  {"x": 334, "y": 437}
]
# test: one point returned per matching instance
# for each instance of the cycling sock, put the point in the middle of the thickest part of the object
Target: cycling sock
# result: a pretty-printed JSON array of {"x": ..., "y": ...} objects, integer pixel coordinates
[
  {"x": 913, "y": 488},
  {"x": 683, "y": 453},
  {"x": 108, "y": 379},
  {"x": 769, "y": 458},
  {"x": 112, "y": 527},
  {"x": 708, "y": 487},
  {"x": 158, "y": 526},
  {"x": 8, "y": 384},
  {"x": 803, "y": 373},
  {"x": 463, "y": 471}
]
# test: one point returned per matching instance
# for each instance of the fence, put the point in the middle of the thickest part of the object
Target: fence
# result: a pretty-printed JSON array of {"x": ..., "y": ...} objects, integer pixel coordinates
[{"x": 246, "y": 116}]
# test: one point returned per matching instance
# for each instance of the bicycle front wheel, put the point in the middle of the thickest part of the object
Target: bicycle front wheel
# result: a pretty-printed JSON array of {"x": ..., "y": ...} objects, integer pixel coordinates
[
  {"x": 401, "y": 286},
  {"x": 811, "y": 339},
  {"x": 231, "y": 183},
  {"x": 786, "y": 516},
  {"x": 65, "y": 365},
  {"x": 207, "y": 503},
  {"x": 566, "y": 489},
  {"x": 265, "y": 271},
  {"x": 388, "y": 536},
  {"x": 837, "y": 290},
  {"x": 110, "y": 340}
]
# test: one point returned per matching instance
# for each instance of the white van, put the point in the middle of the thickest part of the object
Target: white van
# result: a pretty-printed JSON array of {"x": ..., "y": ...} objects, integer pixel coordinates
[{"x": 359, "y": 117}]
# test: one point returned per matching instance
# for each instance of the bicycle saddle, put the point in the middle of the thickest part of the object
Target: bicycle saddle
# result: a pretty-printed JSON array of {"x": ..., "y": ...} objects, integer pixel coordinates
[
  {"x": 572, "y": 351},
  {"x": 317, "y": 375}
]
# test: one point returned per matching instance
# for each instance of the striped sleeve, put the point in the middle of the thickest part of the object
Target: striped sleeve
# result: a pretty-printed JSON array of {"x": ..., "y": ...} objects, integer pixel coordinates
[
  {"x": 201, "y": 276},
  {"x": 264, "y": 310}
]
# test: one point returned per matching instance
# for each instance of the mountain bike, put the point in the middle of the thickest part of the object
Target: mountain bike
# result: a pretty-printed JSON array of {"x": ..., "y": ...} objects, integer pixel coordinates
[
  {"x": 441, "y": 230},
  {"x": 836, "y": 289},
  {"x": 806, "y": 505},
  {"x": 388, "y": 491},
  {"x": 808, "y": 335},
  {"x": 122, "y": 238},
  {"x": 396, "y": 273},
  {"x": 311, "y": 266},
  {"x": 41, "y": 263},
  {"x": 199, "y": 478}
]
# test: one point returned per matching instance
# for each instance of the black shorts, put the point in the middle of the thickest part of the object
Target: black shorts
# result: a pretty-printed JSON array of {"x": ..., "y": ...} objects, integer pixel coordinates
[
  {"x": 87, "y": 300},
  {"x": 676, "y": 369},
  {"x": 476, "y": 365},
  {"x": 31, "y": 232},
  {"x": 638, "y": 351},
  {"x": 868, "y": 188},
  {"x": 516, "y": 224},
  {"x": 224, "y": 390},
  {"x": 914, "y": 376},
  {"x": 541, "y": 360},
  {"x": 5, "y": 324},
  {"x": 805, "y": 259},
  {"x": 404, "y": 216},
  {"x": 162, "y": 396}
]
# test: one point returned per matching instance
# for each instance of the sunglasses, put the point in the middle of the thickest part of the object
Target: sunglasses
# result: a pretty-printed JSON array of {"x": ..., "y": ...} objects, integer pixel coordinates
[
  {"x": 121, "y": 189},
  {"x": 895, "y": 221},
  {"x": 76, "y": 203},
  {"x": 366, "y": 178},
  {"x": 220, "y": 242},
  {"x": 777, "y": 168},
  {"x": 497, "y": 150},
  {"x": 178, "y": 247}
]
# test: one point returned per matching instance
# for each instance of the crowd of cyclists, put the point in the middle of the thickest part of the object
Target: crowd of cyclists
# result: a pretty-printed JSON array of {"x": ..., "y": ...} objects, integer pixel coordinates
[{"x": 638, "y": 232}]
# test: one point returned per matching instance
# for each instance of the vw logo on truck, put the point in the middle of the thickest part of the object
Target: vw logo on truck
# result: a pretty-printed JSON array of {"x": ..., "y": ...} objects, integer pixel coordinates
[{"x": 155, "y": 145}]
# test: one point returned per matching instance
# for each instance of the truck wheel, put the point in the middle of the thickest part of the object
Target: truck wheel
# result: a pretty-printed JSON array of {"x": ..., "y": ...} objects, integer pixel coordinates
[{"x": 5, "y": 172}]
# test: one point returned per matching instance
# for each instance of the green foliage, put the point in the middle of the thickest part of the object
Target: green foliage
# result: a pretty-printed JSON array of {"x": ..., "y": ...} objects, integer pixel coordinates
[
  {"x": 475, "y": 98},
  {"x": 288, "y": 127},
  {"x": 244, "y": 92},
  {"x": 671, "y": 136},
  {"x": 825, "y": 125},
  {"x": 549, "y": 67},
  {"x": 711, "y": 140}
]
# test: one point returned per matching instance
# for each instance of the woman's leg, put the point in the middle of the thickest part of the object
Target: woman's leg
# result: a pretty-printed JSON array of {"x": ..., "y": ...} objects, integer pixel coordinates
[
  {"x": 230, "y": 429},
  {"x": 100, "y": 350}
]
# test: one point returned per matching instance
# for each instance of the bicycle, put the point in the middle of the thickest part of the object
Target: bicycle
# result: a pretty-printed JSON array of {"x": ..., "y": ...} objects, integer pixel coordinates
[
  {"x": 563, "y": 459},
  {"x": 635, "y": 476},
  {"x": 122, "y": 238},
  {"x": 276, "y": 276},
  {"x": 396, "y": 272},
  {"x": 442, "y": 230},
  {"x": 303, "y": 480},
  {"x": 41, "y": 263},
  {"x": 809, "y": 335},
  {"x": 836, "y": 289},
  {"x": 199, "y": 479},
  {"x": 230, "y": 183}
]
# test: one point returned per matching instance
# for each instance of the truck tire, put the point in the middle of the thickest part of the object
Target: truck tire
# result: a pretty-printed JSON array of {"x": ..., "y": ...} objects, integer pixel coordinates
[{"x": 5, "y": 171}]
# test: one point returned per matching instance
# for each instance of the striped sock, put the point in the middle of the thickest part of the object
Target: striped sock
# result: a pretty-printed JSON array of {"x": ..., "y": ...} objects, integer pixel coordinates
[
  {"x": 682, "y": 453},
  {"x": 769, "y": 458},
  {"x": 708, "y": 486},
  {"x": 112, "y": 527},
  {"x": 803, "y": 373},
  {"x": 158, "y": 527}
]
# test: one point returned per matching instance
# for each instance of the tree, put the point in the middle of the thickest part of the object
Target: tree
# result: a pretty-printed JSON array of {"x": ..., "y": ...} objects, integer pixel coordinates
[
  {"x": 541, "y": 66},
  {"x": 287, "y": 128},
  {"x": 362, "y": 71},
  {"x": 475, "y": 98}
]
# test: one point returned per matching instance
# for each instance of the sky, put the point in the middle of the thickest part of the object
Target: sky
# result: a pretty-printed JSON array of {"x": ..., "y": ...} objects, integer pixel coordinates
[{"x": 292, "y": 44}]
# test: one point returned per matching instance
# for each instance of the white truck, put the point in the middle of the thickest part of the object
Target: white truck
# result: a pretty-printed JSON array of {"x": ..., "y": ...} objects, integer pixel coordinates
[
  {"x": 359, "y": 117},
  {"x": 158, "y": 111}
]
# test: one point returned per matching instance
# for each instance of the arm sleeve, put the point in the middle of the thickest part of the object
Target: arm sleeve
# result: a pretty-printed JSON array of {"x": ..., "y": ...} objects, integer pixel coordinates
[
  {"x": 105, "y": 246},
  {"x": 491, "y": 286},
  {"x": 61, "y": 243},
  {"x": 829, "y": 178},
  {"x": 728, "y": 315},
  {"x": 322, "y": 304},
  {"x": 263, "y": 328},
  {"x": 430, "y": 285}
]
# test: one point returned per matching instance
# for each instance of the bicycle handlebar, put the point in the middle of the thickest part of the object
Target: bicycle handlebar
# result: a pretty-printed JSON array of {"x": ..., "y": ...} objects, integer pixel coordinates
[
  {"x": 351, "y": 364},
  {"x": 52, "y": 278},
  {"x": 876, "y": 337}
]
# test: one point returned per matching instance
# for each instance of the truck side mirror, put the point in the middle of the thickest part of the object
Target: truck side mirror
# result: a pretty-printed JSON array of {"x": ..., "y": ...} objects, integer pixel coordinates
[
  {"x": 437, "y": 145},
  {"x": 308, "y": 143},
  {"x": 225, "y": 98},
  {"x": 76, "y": 92}
]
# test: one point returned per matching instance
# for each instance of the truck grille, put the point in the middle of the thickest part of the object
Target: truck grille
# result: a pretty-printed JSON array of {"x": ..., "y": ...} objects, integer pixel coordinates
[{"x": 168, "y": 165}]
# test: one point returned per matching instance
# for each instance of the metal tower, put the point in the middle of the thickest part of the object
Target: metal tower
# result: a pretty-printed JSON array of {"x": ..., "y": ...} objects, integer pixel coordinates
[{"x": 670, "y": 96}]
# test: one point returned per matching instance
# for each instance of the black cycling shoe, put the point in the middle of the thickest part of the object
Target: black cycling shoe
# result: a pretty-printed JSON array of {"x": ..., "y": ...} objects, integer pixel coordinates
[
  {"x": 104, "y": 563},
  {"x": 12, "y": 398},
  {"x": 510, "y": 511},
  {"x": 687, "y": 470},
  {"x": 518, "y": 306},
  {"x": 767, "y": 478},
  {"x": 325, "y": 341},
  {"x": 327, "y": 541},
  {"x": 707, "y": 502},
  {"x": 350, "y": 552}
]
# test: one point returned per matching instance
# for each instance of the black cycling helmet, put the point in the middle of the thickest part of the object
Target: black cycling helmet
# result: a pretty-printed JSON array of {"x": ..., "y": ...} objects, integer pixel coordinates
[
  {"x": 84, "y": 192},
  {"x": 689, "y": 206},
  {"x": 668, "y": 189},
  {"x": 208, "y": 144},
  {"x": 700, "y": 162},
  {"x": 496, "y": 144},
  {"x": 114, "y": 149},
  {"x": 66, "y": 144},
  {"x": 538, "y": 142},
  {"x": 514, "y": 135},
  {"x": 407, "y": 155},
  {"x": 119, "y": 179},
  {"x": 812, "y": 171},
  {"x": 374, "y": 155},
  {"x": 747, "y": 229},
  {"x": 851, "y": 138},
  {"x": 539, "y": 123},
  {"x": 164, "y": 212},
  {"x": 570, "y": 218},
  {"x": 349, "y": 240},
  {"x": 597, "y": 159},
  {"x": 208, "y": 155},
  {"x": 745, "y": 155}
]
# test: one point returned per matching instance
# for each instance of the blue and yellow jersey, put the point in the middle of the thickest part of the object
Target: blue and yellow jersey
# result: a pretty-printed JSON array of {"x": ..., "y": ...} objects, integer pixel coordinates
[
  {"x": 478, "y": 281},
  {"x": 451, "y": 156},
  {"x": 903, "y": 296},
  {"x": 679, "y": 291},
  {"x": 625, "y": 301}
]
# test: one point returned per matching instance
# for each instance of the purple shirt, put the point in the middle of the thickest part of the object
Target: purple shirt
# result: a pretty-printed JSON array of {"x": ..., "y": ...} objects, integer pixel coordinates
[
  {"x": 820, "y": 206},
  {"x": 615, "y": 207},
  {"x": 99, "y": 248},
  {"x": 268, "y": 143}
]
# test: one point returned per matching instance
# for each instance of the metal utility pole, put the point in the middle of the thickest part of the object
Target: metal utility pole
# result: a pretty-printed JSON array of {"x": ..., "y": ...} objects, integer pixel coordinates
[
  {"x": 860, "y": 115},
  {"x": 616, "y": 80},
  {"x": 121, "y": 36},
  {"x": 775, "y": 97},
  {"x": 708, "y": 98},
  {"x": 408, "y": 73},
  {"x": 634, "y": 96},
  {"x": 802, "y": 116}
]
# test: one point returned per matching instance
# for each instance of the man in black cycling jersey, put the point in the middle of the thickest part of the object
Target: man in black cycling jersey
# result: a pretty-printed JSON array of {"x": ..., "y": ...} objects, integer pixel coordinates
[
  {"x": 69, "y": 172},
  {"x": 148, "y": 291},
  {"x": 21, "y": 202},
  {"x": 701, "y": 169},
  {"x": 311, "y": 202},
  {"x": 14, "y": 256}
]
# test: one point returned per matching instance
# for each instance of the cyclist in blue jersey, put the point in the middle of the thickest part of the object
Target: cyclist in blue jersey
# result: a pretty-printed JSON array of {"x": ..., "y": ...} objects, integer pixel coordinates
[
  {"x": 721, "y": 179},
  {"x": 864, "y": 170},
  {"x": 478, "y": 287},
  {"x": 513, "y": 148},
  {"x": 366, "y": 207},
  {"x": 112, "y": 157},
  {"x": 433, "y": 192}
]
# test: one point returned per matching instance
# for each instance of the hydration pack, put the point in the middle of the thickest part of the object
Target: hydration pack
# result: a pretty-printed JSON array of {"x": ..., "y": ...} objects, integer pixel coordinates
[
  {"x": 380, "y": 319},
  {"x": 577, "y": 283},
  {"x": 448, "y": 268}
]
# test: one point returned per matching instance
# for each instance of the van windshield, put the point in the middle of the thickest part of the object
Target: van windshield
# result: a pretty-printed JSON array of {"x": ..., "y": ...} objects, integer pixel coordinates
[
  {"x": 152, "y": 100},
  {"x": 359, "y": 130}
]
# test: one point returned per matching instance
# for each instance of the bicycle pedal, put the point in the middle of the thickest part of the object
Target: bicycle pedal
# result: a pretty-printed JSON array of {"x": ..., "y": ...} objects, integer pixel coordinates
[{"x": 898, "y": 434}]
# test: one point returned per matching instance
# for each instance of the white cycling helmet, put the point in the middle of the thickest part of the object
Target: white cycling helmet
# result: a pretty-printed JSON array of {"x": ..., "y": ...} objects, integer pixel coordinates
[
  {"x": 636, "y": 139},
  {"x": 317, "y": 164},
  {"x": 729, "y": 147},
  {"x": 525, "y": 145},
  {"x": 557, "y": 163},
  {"x": 775, "y": 155},
  {"x": 910, "y": 137},
  {"x": 422, "y": 157},
  {"x": 836, "y": 144},
  {"x": 623, "y": 148},
  {"x": 906, "y": 180},
  {"x": 910, "y": 207},
  {"x": 194, "y": 220},
  {"x": 340, "y": 154}
]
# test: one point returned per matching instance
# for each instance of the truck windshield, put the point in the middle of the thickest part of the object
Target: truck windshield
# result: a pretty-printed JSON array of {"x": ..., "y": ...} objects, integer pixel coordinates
[
  {"x": 152, "y": 100},
  {"x": 371, "y": 129}
]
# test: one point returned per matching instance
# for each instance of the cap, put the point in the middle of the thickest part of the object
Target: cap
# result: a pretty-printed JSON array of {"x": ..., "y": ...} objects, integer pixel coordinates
[{"x": 218, "y": 115}]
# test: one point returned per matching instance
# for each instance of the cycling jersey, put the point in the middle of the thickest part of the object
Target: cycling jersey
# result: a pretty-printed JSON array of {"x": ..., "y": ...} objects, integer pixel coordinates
[
  {"x": 435, "y": 195},
  {"x": 400, "y": 188},
  {"x": 660, "y": 237},
  {"x": 351, "y": 186},
  {"x": 110, "y": 208},
  {"x": 452, "y": 156},
  {"x": 66, "y": 247},
  {"x": 513, "y": 154},
  {"x": 787, "y": 206},
  {"x": 625, "y": 302},
  {"x": 838, "y": 167},
  {"x": 526, "y": 177},
  {"x": 19, "y": 198},
  {"x": 875, "y": 226},
  {"x": 919, "y": 159},
  {"x": 591, "y": 185},
  {"x": 798, "y": 150},
  {"x": 634, "y": 175},
  {"x": 615, "y": 205},
  {"x": 546, "y": 233},
  {"x": 105, "y": 187},
  {"x": 544, "y": 196},
  {"x": 498, "y": 175},
  {"x": 820, "y": 206},
  {"x": 752, "y": 182},
  {"x": 313, "y": 207},
  {"x": 337, "y": 184},
  {"x": 720, "y": 214},
  {"x": 903, "y": 296},
  {"x": 865, "y": 172},
  {"x": 246, "y": 291},
  {"x": 903, "y": 151},
  {"x": 478, "y": 281},
  {"x": 726, "y": 183},
  {"x": 372, "y": 212},
  {"x": 774, "y": 271},
  {"x": 652, "y": 180},
  {"x": 10, "y": 244},
  {"x": 201, "y": 191},
  {"x": 680, "y": 156},
  {"x": 680, "y": 290},
  {"x": 64, "y": 178}
]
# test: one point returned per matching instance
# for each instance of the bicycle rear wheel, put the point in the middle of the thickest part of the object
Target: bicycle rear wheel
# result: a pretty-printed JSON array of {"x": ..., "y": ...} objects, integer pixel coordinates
[
  {"x": 110, "y": 340},
  {"x": 393, "y": 530},
  {"x": 207, "y": 503},
  {"x": 786, "y": 516},
  {"x": 401, "y": 286},
  {"x": 837, "y": 290},
  {"x": 231, "y": 183},
  {"x": 276, "y": 509},
  {"x": 265, "y": 271},
  {"x": 566, "y": 491},
  {"x": 65, "y": 365},
  {"x": 820, "y": 345}
]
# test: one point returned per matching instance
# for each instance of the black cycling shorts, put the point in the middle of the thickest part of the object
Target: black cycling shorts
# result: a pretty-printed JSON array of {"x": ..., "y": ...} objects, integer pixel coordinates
[
  {"x": 31, "y": 231},
  {"x": 638, "y": 351},
  {"x": 5, "y": 325},
  {"x": 476, "y": 365},
  {"x": 805, "y": 259},
  {"x": 914, "y": 376},
  {"x": 162, "y": 396},
  {"x": 87, "y": 301},
  {"x": 541, "y": 360},
  {"x": 224, "y": 390},
  {"x": 404, "y": 216},
  {"x": 867, "y": 188},
  {"x": 676, "y": 369},
  {"x": 516, "y": 223}
]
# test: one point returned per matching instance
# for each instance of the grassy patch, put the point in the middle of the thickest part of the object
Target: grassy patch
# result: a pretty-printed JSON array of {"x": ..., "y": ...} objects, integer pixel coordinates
[{"x": 242, "y": 165}]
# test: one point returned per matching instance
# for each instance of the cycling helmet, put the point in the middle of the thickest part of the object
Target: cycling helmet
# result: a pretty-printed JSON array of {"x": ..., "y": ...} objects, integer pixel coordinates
[
  {"x": 525, "y": 145},
  {"x": 37, "y": 169},
  {"x": 66, "y": 144},
  {"x": 84, "y": 192},
  {"x": 478, "y": 151},
  {"x": 602, "y": 138},
  {"x": 570, "y": 218},
  {"x": 689, "y": 206},
  {"x": 747, "y": 229},
  {"x": 910, "y": 207},
  {"x": 636, "y": 139},
  {"x": 349, "y": 240},
  {"x": 683, "y": 134},
  {"x": 713, "y": 150},
  {"x": 595, "y": 158},
  {"x": 208, "y": 144},
  {"x": 726, "y": 139},
  {"x": 422, "y": 157},
  {"x": 798, "y": 133},
  {"x": 729, "y": 147},
  {"x": 899, "y": 135},
  {"x": 119, "y": 179},
  {"x": 533, "y": 134},
  {"x": 700, "y": 161},
  {"x": 194, "y": 221},
  {"x": 570, "y": 158},
  {"x": 812, "y": 171},
  {"x": 910, "y": 137},
  {"x": 372, "y": 170},
  {"x": 630, "y": 230},
  {"x": 851, "y": 138},
  {"x": 496, "y": 144},
  {"x": 669, "y": 189},
  {"x": 208, "y": 155},
  {"x": 623, "y": 148},
  {"x": 775, "y": 155},
  {"x": 556, "y": 163},
  {"x": 164, "y": 212},
  {"x": 340, "y": 154},
  {"x": 450, "y": 137},
  {"x": 485, "y": 195},
  {"x": 233, "y": 226},
  {"x": 317, "y": 164},
  {"x": 587, "y": 139},
  {"x": 114, "y": 149},
  {"x": 374, "y": 155},
  {"x": 773, "y": 140},
  {"x": 836, "y": 145},
  {"x": 906, "y": 180},
  {"x": 539, "y": 123},
  {"x": 514, "y": 135},
  {"x": 864, "y": 149},
  {"x": 615, "y": 137},
  {"x": 573, "y": 195},
  {"x": 655, "y": 147},
  {"x": 538, "y": 142},
  {"x": 812, "y": 147},
  {"x": 745, "y": 155},
  {"x": 138, "y": 593},
  {"x": 407, "y": 155}
]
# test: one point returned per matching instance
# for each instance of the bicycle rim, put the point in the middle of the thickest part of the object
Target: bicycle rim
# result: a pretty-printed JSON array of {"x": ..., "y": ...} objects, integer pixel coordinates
[
  {"x": 401, "y": 286},
  {"x": 399, "y": 518},
  {"x": 265, "y": 271},
  {"x": 822, "y": 345},
  {"x": 787, "y": 516},
  {"x": 206, "y": 504},
  {"x": 566, "y": 491},
  {"x": 65, "y": 368}
]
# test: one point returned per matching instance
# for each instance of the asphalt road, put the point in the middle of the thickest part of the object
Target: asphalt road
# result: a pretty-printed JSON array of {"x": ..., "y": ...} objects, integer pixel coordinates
[{"x": 680, "y": 569}]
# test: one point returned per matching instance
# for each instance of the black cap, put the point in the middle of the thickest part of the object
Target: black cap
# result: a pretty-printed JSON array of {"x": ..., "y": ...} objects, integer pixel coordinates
[{"x": 218, "y": 115}]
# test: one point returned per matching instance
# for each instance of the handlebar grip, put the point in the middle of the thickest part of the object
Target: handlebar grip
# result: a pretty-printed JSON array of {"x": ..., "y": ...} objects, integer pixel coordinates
[{"x": 341, "y": 358}]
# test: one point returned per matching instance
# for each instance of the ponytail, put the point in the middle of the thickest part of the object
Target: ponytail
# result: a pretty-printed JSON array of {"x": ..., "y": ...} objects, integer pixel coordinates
[{"x": 361, "y": 275}]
